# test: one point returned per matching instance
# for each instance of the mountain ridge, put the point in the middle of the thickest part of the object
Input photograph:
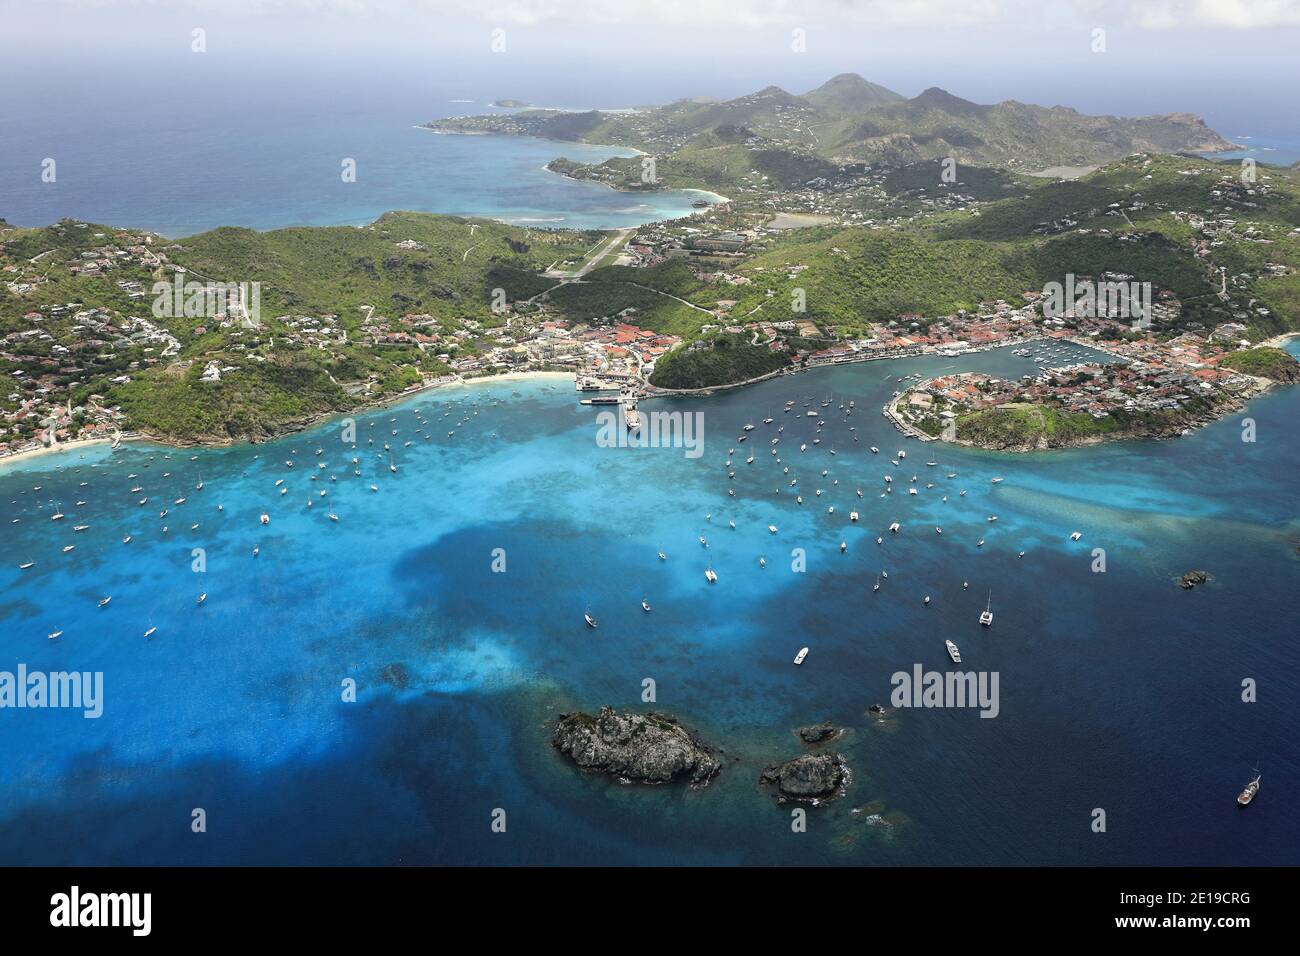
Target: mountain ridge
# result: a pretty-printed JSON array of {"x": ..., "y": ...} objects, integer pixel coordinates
[{"x": 849, "y": 119}]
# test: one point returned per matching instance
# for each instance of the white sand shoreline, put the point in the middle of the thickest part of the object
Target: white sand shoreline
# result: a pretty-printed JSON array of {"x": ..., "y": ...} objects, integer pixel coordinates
[
  {"x": 80, "y": 444},
  {"x": 45, "y": 451}
]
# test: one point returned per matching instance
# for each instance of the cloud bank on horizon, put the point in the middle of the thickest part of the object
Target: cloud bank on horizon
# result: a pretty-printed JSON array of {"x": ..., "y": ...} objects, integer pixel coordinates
[{"x": 1143, "y": 14}]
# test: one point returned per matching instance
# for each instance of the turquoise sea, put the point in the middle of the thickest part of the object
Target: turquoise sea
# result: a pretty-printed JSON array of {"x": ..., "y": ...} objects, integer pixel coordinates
[
  {"x": 1118, "y": 690},
  {"x": 280, "y": 164}
]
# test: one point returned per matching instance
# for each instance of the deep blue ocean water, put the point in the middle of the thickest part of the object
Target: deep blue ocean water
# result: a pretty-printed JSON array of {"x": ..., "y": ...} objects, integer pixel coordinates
[{"x": 1118, "y": 690}]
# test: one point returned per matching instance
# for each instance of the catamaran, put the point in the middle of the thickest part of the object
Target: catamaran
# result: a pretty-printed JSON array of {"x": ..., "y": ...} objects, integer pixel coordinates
[
  {"x": 986, "y": 616},
  {"x": 711, "y": 575}
]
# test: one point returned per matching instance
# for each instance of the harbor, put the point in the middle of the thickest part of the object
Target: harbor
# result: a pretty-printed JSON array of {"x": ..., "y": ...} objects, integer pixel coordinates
[{"x": 452, "y": 473}]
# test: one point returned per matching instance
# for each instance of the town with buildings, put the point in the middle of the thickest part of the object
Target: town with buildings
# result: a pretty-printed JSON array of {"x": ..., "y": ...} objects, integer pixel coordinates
[{"x": 63, "y": 364}]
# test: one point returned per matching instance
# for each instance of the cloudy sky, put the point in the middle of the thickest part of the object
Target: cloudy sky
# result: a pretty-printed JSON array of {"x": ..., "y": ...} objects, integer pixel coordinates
[{"x": 1213, "y": 57}]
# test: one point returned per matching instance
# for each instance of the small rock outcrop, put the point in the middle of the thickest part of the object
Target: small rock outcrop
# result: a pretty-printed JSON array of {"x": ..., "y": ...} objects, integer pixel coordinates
[
  {"x": 818, "y": 733},
  {"x": 1191, "y": 579},
  {"x": 643, "y": 748},
  {"x": 814, "y": 777}
]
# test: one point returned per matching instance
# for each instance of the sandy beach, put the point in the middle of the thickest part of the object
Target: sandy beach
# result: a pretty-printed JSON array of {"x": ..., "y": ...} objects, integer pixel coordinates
[
  {"x": 62, "y": 448},
  {"x": 81, "y": 444}
]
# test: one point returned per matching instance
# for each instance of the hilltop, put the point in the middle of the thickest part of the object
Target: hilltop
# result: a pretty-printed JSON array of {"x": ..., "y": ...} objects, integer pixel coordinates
[{"x": 851, "y": 120}]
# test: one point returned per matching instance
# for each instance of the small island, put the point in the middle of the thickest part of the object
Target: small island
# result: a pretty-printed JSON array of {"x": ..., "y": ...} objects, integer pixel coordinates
[
  {"x": 511, "y": 104},
  {"x": 640, "y": 748},
  {"x": 814, "y": 778},
  {"x": 819, "y": 733}
]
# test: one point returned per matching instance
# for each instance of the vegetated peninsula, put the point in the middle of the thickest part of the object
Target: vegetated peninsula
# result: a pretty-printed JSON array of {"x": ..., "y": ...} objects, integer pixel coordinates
[
  {"x": 772, "y": 139},
  {"x": 1150, "y": 392},
  {"x": 899, "y": 262}
]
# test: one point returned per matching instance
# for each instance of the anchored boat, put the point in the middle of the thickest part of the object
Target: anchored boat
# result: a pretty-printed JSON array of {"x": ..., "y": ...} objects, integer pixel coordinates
[{"x": 1247, "y": 795}]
